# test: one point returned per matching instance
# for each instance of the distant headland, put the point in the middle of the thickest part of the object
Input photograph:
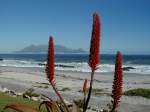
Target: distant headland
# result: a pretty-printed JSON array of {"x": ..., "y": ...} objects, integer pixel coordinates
[{"x": 43, "y": 49}]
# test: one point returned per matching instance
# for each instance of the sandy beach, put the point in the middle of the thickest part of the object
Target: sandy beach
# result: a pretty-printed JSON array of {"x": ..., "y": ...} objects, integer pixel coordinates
[{"x": 21, "y": 79}]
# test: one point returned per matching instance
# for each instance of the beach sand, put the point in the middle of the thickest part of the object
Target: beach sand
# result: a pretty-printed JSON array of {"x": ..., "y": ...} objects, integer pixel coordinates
[{"x": 21, "y": 79}]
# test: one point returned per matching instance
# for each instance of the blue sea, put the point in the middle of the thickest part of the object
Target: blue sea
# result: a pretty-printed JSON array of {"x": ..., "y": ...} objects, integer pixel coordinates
[{"x": 77, "y": 62}]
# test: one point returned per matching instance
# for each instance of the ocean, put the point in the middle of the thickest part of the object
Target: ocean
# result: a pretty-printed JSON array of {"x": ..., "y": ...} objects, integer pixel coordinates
[{"x": 78, "y": 62}]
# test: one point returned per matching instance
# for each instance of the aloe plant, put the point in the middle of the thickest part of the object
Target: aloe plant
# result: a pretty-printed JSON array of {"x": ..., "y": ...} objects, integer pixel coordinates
[
  {"x": 50, "y": 66},
  {"x": 94, "y": 57},
  {"x": 117, "y": 84}
]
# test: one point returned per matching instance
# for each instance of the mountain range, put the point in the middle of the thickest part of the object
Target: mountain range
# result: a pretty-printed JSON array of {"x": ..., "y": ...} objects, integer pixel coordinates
[{"x": 43, "y": 49}]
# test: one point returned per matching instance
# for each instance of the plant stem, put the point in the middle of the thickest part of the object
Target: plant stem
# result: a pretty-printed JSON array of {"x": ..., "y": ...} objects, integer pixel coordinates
[
  {"x": 89, "y": 93},
  {"x": 84, "y": 101},
  {"x": 60, "y": 97},
  {"x": 113, "y": 108}
]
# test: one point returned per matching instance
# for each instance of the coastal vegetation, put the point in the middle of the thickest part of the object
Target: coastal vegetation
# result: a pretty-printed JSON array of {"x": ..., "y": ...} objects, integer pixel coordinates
[
  {"x": 138, "y": 92},
  {"x": 7, "y": 99}
]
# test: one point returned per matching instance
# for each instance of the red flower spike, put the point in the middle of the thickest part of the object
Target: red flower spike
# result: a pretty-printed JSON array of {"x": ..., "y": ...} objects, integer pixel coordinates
[
  {"x": 94, "y": 58},
  {"x": 117, "y": 84},
  {"x": 50, "y": 66},
  {"x": 95, "y": 43}
]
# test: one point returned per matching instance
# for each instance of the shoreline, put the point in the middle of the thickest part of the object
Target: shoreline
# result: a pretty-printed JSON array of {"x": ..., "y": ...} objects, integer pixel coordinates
[{"x": 21, "y": 79}]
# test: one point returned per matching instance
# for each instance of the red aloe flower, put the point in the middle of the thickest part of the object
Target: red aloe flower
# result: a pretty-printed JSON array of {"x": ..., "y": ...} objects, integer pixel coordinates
[
  {"x": 94, "y": 54},
  {"x": 50, "y": 61},
  {"x": 117, "y": 84},
  {"x": 50, "y": 68},
  {"x": 95, "y": 43}
]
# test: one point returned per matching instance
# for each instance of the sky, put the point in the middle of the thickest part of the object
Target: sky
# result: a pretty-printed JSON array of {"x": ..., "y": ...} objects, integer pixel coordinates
[{"x": 125, "y": 24}]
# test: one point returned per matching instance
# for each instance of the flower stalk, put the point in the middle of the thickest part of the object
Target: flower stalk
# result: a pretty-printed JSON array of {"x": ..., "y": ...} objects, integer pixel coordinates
[
  {"x": 94, "y": 58},
  {"x": 50, "y": 68},
  {"x": 117, "y": 84}
]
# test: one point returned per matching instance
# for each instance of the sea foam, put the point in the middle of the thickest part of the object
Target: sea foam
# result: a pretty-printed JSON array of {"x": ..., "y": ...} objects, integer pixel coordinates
[{"x": 75, "y": 66}]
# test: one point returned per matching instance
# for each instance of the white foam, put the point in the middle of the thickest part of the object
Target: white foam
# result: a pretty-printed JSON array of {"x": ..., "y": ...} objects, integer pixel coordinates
[
  {"x": 83, "y": 67},
  {"x": 19, "y": 63},
  {"x": 76, "y": 66}
]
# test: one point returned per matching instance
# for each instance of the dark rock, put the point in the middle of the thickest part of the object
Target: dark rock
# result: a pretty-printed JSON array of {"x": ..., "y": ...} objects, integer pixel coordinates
[
  {"x": 11, "y": 93},
  {"x": 41, "y": 64},
  {"x": 64, "y": 66},
  {"x": 58, "y": 65},
  {"x": 128, "y": 68}
]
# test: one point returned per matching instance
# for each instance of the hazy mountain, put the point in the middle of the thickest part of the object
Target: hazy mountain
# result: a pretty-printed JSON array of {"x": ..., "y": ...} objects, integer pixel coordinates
[{"x": 43, "y": 49}]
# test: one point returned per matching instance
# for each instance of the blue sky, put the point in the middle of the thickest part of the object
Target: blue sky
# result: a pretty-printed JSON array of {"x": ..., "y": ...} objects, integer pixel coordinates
[{"x": 125, "y": 24}]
